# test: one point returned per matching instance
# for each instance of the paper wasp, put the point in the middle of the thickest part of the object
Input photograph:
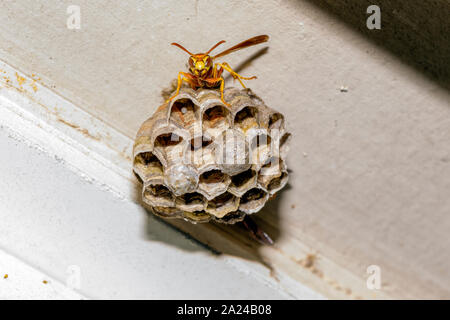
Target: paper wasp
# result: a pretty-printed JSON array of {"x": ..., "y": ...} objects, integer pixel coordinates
[{"x": 204, "y": 73}]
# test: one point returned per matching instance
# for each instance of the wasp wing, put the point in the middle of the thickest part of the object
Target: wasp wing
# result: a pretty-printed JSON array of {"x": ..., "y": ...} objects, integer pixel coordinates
[{"x": 247, "y": 43}]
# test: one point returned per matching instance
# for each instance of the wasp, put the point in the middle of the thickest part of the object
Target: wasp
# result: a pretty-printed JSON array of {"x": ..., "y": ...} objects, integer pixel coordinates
[{"x": 204, "y": 73}]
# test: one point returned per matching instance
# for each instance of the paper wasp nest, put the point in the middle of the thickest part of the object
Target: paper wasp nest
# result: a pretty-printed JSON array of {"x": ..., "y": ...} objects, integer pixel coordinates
[{"x": 200, "y": 160}]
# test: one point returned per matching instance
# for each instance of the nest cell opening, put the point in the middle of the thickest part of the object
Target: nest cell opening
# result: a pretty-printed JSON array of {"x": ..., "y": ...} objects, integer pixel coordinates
[
  {"x": 253, "y": 200},
  {"x": 232, "y": 217},
  {"x": 272, "y": 172},
  {"x": 200, "y": 213},
  {"x": 184, "y": 112},
  {"x": 215, "y": 117},
  {"x": 212, "y": 177},
  {"x": 170, "y": 144},
  {"x": 191, "y": 202},
  {"x": 197, "y": 216},
  {"x": 213, "y": 182},
  {"x": 243, "y": 178},
  {"x": 148, "y": 158},
  {"x": 277, "y": 182},
  {"x": 158, "y": 191},
  {"x": 168, "y": 140},
  {"x": 251, "y": 195},
  {"x": 150, "y": 162},
  {"x": 200, "y": 142},
  {"x": 192, "y": 198},
  {"x": 201, "y": 151},
  {"x": 221, "y": 200},
  {"x": 246, "y": 118}
]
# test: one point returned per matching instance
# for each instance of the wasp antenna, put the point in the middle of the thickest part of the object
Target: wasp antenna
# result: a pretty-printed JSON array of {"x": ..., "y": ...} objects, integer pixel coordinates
[
  {"x": 215, "y": 46},
  {"x": 181, "y": 47}
]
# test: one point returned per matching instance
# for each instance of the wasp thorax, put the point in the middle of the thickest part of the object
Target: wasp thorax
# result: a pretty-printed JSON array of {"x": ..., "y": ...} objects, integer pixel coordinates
[{"x": 199, "y": 160}]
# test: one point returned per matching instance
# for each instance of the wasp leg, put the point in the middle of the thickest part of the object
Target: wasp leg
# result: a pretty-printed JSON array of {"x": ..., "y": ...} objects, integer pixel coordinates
[
  {"x": 234, "y": 74},
  {"x": 182, "y": 76},
  {"x": 222, "y": 85},
  {"x": 217, "y": 73}
]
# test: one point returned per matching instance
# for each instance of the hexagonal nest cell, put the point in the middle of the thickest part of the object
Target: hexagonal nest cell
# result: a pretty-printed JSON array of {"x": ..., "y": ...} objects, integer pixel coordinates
[
  {"x": 184, "y": 112},
  {"x": 197, "y": 125}
]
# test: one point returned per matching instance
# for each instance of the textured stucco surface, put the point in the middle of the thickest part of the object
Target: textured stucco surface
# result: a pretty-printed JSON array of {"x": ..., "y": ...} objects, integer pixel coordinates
[{"x": 370, "y": 167}]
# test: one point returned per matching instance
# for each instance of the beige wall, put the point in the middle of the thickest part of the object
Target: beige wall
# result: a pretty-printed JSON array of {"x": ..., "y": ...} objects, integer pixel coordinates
[{"x": 370, "y": 178}]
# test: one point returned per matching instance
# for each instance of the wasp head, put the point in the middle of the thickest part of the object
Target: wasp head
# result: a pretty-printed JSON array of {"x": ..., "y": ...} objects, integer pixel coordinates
[{"x": 200, "y": 64}]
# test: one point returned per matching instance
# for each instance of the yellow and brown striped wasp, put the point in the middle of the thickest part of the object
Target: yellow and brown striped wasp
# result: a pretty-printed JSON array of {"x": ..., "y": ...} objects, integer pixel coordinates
[{"x": 204, "y": 73}]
